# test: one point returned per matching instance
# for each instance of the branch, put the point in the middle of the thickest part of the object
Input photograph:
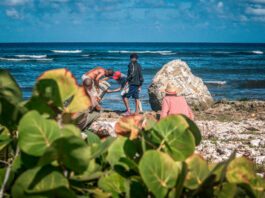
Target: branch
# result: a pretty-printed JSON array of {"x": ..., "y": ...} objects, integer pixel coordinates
[{"x": 7, "y": 175}]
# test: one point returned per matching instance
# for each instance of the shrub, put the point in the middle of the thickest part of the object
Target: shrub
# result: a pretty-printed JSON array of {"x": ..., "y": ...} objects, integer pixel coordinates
[{"x": 43, "y": 154}]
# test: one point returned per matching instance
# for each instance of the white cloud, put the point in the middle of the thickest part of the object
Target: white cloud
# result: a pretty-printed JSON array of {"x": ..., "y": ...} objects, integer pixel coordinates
[
  {"x": 13, "y": 13},
  {"x": 16, "y": 2},
  {"x": 256, "y": 11},
  {"x": 220, "y": 4}
]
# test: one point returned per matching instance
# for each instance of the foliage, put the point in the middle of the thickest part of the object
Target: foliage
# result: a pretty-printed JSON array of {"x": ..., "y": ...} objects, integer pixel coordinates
[{"x": 43, "y": 156}]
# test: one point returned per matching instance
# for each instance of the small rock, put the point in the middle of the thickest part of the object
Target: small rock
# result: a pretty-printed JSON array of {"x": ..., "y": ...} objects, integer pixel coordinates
[{"x": 255, "y": 142}]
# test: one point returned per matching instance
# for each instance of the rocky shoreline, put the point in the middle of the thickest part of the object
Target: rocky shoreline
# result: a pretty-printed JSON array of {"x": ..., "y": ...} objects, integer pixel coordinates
[{"x": 225, "y": 127}]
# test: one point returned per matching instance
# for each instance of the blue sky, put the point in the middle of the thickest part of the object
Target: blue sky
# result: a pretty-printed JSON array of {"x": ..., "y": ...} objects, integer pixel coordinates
[{"x": 132, "y": 21}]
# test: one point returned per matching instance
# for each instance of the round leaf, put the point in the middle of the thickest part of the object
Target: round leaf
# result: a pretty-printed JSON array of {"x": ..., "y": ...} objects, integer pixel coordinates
[
  {"x": 159, "y": 172},
  {"x": 36, "y": 133}
]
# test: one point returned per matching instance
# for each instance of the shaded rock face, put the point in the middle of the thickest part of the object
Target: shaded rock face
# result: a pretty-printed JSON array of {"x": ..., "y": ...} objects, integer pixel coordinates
[{"x": 179, "y": 73}]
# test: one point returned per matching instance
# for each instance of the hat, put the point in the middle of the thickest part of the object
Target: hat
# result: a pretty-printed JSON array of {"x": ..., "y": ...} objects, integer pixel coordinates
[
  {"x": 116, "y": 75},
  {"x": 171, "y": 89},
  {"x": 134, "y": 56}
]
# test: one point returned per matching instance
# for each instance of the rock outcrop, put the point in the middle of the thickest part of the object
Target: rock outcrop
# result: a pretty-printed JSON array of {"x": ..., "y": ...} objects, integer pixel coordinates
[{"x": 178, "y": 72}]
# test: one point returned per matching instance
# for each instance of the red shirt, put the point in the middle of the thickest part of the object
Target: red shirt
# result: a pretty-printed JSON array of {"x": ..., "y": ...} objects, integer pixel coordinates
[{"x": 175, "y": 105}]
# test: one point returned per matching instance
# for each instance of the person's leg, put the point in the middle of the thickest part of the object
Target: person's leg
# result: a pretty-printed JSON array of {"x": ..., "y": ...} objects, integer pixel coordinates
[
  {"x": 125, "y": 99},
  {"x": 137, "y": 106}
]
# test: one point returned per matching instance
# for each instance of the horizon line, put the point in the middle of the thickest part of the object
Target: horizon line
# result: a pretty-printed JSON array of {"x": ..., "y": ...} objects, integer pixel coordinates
[{"x": 199, "y": 42}]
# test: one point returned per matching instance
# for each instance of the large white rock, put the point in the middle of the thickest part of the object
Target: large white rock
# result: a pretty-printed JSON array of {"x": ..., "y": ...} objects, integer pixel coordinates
[{"x": 178, "y": 72}]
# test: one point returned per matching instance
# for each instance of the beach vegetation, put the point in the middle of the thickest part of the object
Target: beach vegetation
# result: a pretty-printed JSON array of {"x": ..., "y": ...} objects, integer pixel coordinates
[{"x": 44, "y": 155}]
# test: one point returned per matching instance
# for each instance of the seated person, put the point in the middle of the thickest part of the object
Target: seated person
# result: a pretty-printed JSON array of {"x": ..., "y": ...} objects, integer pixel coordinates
[{"x": 173, "y": 104}]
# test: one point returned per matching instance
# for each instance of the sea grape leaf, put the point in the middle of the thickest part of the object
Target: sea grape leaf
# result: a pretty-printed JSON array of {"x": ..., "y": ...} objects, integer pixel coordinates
[
  {"x": 71, "y": 151},
  {"x": 10, "y": 113},
  {"x": 113, "y": 183},
  {"x": 68, "y": 89},
  {"x": 194, "y": 130},
  {"x": 9, "y": 87},
  {"x": 173, "y": 132},
  {"x": 197, "y": 171},
  {"x": 92, "y": 139},
  {"x": 4, "y": 141},
  {"x": 121, "y": 147},
  {"x": 41, "y": 182},
  {"x": 69, "y": 130},
  {"x": 227, "y": 190},
  {"x": 101, "y": 148},
  {"x": 240, "y": 170},
  {"x": 159, "y": 172},
  {"x": 36, "y": 133}
]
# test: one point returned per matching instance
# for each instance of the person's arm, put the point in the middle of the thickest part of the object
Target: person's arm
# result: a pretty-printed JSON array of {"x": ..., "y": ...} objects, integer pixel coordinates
[
  {"x": 165, "y": 109},
  {"x": 99, "y": 76},
  {"x": 115, "y": 90},
  {"x": 141, "y": 77},
  {"x": 129, "y": 74},
  {"x": 104, "y": 79}
]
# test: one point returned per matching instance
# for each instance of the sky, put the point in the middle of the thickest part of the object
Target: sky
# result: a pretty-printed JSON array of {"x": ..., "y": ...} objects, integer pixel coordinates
[{"x": 132, "y": 21}]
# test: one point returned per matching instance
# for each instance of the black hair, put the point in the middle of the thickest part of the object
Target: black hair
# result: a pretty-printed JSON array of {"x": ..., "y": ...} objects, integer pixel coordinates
[
  {"x": 134, "y": 56},
  {"x": 110, "y": 72}
]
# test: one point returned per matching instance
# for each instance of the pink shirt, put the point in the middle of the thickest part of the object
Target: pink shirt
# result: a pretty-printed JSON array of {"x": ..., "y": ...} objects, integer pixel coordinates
[{"x": 175, "y": 105}]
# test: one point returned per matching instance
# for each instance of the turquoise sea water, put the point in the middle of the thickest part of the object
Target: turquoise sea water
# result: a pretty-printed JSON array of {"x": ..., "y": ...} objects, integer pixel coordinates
[{"x": 232, "y": 71}]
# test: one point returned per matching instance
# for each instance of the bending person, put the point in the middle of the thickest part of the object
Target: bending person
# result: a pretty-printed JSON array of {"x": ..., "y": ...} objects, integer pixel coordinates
[{"x": 173, "y": 104}]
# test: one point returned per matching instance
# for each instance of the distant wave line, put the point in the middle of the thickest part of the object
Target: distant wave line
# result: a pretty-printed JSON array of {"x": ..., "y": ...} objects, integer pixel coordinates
[
  {"x": 215, "y": 82},
  {"x": 31, "y": 56},
  {"x": 142, "y": 52},
  {"x": 257, "y": 52},
  {"x": 67, "y": 51},
  {"x": 25, "y": 59}
]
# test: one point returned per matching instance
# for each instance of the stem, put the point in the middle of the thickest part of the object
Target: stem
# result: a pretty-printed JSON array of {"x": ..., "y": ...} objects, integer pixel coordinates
[{"x": 7, "y": 175}]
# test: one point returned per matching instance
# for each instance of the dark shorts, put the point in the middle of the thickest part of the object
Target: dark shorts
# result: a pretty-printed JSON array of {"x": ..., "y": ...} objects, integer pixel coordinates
[{"x": 133, "y": 92}]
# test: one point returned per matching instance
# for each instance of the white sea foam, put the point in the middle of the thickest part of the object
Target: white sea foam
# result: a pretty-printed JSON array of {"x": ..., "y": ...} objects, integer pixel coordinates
[
  {"x": 143, "y": 52},
  {"x": 257, "y": 52},
  {"x": 216, "y": 82},
  {"x": 25, "y": 59},
  {"x": 31, "y": 56},
  {"x": 67, "y": 51},
  {"x": 86, "y": 55}
]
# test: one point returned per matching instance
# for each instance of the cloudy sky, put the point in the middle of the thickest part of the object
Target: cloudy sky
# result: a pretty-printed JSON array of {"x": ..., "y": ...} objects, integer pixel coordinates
[{"x": 132, "y": 20}]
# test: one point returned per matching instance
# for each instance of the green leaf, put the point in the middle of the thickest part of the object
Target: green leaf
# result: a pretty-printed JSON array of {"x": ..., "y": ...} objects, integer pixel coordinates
[
  {"x": 175, "y": 137},
  {"x": 10, "y": 113},
  {"x": 101, "y": 148},
  {"x": 194, "y": 130},
  {"x": 41, "y": 182},
  {"x": 135, "y": 188},
  {"x": 9, "y": 87},
  {"x": 113, "y": 183},
  {"x": 70, "y": 151},
  {"x": 4, "y": 141},
  {"x": 36, "y": 133},
  {"x": 227, "y": 190},
  {"x": 118, "y": 149},
  {"x": 70, "y": 130},
  {"x": 198, "y": 171},
  {"x": 159, "y": 172},
  {"x": 92, "y": 139},
  {"x": 240, "y": 170}
]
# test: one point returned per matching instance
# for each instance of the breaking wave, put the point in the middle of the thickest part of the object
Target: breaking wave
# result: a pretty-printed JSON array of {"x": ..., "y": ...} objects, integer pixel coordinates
[
  {"x": 144, "y": 52},
  {"x": 25, "y": 59},
  {"x": 215, "y": 82},
  {"x": 257, "y": 52},
  {"x": 31, "y": 56},
  {"x": 67, "y": 51}
]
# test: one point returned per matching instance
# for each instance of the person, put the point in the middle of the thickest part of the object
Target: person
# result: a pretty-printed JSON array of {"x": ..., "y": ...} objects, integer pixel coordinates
[
  {"x": 173, "y": 104},
  {"x": 91, "y": 114},
  {"x": 135, "y": 81},
  {"x": 95, "y": 75},
  {"x": 122, "y": 80}
]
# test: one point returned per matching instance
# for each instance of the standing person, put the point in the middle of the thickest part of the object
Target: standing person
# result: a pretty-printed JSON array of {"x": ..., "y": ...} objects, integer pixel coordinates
[
  {"x": 122, "y": 80},
  {"x": 173, "y": 104},
  {"x": 135, "y": 81}
]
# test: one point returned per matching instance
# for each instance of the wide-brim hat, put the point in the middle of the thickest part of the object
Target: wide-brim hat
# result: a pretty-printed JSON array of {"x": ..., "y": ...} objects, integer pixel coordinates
[{"x": 172, "y": 89}]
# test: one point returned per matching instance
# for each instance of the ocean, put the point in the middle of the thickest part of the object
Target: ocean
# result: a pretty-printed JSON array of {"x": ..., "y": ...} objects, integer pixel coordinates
[{"x": 232, "y": 71}]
